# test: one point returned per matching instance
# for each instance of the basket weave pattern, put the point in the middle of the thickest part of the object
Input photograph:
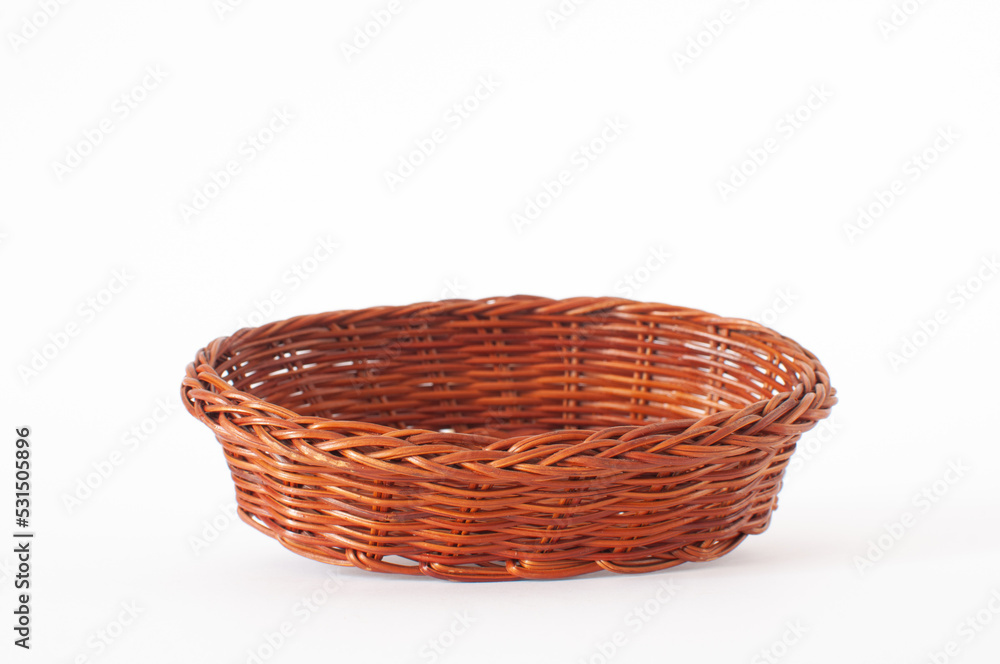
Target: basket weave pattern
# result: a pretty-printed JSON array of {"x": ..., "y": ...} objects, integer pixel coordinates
[{"x": 514, "y": 437}]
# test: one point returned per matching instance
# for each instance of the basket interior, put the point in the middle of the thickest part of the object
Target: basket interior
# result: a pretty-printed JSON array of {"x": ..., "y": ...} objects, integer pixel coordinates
[{"x": 505, "y": 376}]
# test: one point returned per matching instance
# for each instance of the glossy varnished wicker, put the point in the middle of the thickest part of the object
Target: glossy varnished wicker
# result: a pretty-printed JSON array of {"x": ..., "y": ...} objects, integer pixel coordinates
[{"x": 514, "y": 437}]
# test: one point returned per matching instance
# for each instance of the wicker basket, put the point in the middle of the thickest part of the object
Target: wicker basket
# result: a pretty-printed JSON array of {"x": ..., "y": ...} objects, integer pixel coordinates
[{"x": 506, "y": 438}]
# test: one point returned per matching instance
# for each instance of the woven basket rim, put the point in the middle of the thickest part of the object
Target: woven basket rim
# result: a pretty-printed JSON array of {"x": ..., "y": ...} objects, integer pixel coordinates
[{"x": 204, "y": 376}]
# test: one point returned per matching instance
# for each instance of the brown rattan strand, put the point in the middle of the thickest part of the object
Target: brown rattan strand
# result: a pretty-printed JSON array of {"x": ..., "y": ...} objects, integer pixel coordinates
[{"x": 511, "y": 437}]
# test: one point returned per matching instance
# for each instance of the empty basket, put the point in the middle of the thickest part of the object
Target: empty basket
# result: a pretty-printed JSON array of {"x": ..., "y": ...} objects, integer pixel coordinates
[{"x": 511, "y": 437}]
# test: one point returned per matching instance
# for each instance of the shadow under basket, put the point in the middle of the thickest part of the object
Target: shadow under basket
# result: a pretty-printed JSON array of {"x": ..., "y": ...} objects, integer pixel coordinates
[{"x": 511, "y": 437}]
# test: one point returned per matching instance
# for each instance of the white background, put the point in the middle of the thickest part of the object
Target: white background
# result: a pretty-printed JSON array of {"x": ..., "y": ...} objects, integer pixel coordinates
[{"x": 779, "y": 249}]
